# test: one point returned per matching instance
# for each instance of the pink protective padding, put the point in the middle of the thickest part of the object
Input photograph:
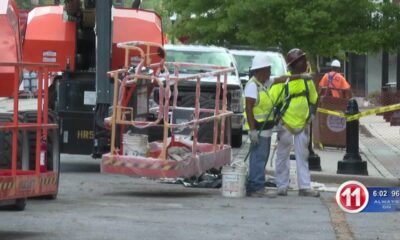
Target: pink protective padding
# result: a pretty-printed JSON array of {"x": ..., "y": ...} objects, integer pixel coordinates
[{"x": 151, "y": 167}]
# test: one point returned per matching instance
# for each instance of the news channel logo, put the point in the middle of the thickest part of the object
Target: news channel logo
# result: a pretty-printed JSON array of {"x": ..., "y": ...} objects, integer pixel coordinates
[{"x": 354, "y": 197}]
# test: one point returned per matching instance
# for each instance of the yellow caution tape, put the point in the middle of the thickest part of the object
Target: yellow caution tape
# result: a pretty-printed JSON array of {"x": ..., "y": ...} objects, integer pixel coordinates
[
  {"x": 361, "y": 114},
  {"x": 330, "y": 112},
  {"x": 374, "y": 111}
]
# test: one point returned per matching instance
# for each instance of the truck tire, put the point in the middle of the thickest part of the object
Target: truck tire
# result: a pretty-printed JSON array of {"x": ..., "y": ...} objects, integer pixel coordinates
[
  {"x": 19, "y": 204},
  {"x": 6, "y": 145},
  {"x": 53, "y": 146}
]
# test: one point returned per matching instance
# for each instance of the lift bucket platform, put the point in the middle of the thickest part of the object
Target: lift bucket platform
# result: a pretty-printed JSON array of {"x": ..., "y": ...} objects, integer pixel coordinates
[
  {"x": 158, "y": 162},
  {"x": 23, "y": 174},
  {"x": 157, "y": 168}
]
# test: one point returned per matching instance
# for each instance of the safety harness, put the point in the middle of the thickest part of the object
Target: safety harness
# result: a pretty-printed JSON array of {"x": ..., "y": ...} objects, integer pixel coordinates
[
  {"x": 330, "y": 86},
  {"x": 289, "y": 97}
]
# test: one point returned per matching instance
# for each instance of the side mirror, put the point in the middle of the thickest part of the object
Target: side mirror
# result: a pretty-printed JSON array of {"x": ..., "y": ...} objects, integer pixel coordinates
[{"x": 161, "y": 53}]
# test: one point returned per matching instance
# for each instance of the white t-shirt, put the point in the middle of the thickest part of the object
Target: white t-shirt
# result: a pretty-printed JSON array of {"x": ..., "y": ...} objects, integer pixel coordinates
[{"x": 251, "y": 91}]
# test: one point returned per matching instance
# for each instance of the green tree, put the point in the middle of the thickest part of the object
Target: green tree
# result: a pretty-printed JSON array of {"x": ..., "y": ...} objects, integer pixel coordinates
[
  {"x": 27, "y": 4},
  {"x": 24, "y": 4},
  {"x": 318, "y": 26},
  {"x": 387, "y": 23},
  {"x": 203, "y": 21}
]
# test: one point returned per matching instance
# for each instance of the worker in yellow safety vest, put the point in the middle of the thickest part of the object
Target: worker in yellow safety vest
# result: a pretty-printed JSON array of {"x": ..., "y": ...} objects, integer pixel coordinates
[
  {"x": 259, "y": 122},
  {"x": 296, "y": 101}
]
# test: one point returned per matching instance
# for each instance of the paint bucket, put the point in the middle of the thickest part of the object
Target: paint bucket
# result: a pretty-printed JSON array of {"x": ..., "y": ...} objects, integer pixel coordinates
[
  {"x": 234, "y": 181},
  {"x": 135, "y": 144}
]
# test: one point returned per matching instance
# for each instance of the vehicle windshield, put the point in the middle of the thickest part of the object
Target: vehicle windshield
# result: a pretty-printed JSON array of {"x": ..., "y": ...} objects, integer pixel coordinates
[
  {"x": 215, "y": 58},
  {"x": 244, "y": 64}
]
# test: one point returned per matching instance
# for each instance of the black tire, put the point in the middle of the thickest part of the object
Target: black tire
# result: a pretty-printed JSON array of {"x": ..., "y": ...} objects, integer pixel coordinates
[
  {"x": 53, "y": 146},
  {"x": 19, "y": 205},
  {"x": 6, "y": 145}
]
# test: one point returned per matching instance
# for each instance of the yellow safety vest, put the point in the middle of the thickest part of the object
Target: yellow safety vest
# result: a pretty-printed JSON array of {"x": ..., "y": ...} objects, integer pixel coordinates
[
  {"x": 295, "y": 102},
  {"x": 263, "y": 106}
]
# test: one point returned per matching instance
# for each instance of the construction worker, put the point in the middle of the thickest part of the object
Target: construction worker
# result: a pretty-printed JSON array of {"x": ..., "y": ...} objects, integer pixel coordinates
[
  {"x": 295, "y": 101},
  {"x": 258, "y": 116},
  {"x": 333, "y": 82}
]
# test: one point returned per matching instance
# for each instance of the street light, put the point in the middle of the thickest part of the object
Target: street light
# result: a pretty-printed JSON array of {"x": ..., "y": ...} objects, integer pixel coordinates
[{"x": 173, "y": 19}]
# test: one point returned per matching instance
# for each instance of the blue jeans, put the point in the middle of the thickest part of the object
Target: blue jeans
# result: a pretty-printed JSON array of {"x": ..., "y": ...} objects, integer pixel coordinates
[{"x": 258, "y": 160}]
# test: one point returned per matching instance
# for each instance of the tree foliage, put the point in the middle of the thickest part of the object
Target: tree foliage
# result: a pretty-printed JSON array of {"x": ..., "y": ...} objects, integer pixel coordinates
[
  {"x": 318, "y": 26},
  {"x": 28, "y": 4}
]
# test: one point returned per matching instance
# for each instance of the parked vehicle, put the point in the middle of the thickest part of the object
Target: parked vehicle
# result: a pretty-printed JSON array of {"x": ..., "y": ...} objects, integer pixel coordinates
[
  {"x": 216, "y": 56},
  {"x": 244, "y": 58}
]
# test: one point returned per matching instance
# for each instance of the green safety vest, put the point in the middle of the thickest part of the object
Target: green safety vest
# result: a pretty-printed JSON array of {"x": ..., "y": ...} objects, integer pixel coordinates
[
  {"x": 294, "y": 104},
  {"x": 262, "y": 108}
]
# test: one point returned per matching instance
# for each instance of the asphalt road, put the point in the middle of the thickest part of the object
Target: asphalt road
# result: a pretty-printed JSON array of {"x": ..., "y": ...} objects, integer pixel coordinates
[{"x": 92, "y": 205}]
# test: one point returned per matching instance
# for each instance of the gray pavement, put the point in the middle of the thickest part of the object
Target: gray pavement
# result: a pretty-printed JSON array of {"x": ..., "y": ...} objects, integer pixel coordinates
[
  {"x": 96, "y": 206},
  {"x": 381, "y": 142},
  {"x": 92, "y": 205},
  {"x": 382, "y": 160}
]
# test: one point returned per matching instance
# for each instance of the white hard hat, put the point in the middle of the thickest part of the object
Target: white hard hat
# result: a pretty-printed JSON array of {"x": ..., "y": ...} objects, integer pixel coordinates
[
  {"x": 260, "y": 61},
  {"x": 335, "y": 63}
]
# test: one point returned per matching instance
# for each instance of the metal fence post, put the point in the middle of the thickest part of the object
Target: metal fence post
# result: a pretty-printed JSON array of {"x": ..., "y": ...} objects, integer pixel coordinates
[{"x": 352, "y": 162}]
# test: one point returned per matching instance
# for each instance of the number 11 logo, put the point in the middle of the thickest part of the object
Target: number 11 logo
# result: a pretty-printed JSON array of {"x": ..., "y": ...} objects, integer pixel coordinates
[{"x": 352, "y": 197}]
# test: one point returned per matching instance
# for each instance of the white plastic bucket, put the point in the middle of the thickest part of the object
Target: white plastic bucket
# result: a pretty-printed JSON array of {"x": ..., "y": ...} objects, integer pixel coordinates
[
  {"x": 234, "y": 181},
  {"x": 135, "y": 144}
]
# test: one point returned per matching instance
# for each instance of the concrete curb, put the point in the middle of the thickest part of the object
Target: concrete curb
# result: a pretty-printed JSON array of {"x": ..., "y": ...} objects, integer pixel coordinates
[{"x": 341, "y": 178}]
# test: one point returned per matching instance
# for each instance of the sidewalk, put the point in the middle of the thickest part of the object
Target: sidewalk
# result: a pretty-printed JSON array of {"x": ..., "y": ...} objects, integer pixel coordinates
[
  {"x": 378, "y": 162},
  {"x": 381, "y": 141}
]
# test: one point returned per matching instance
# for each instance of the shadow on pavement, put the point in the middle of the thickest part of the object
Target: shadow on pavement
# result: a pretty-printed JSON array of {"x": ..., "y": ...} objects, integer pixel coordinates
[
  {"x": 11, "y": 235},
  {"x": 170, "y": 194},
  {"x": 79, "y": 163},
  {"x": 80, "y": 167}
]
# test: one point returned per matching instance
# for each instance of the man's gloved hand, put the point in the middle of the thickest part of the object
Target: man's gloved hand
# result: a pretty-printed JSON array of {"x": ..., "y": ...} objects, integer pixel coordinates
[{"x": 253, "y": 137}]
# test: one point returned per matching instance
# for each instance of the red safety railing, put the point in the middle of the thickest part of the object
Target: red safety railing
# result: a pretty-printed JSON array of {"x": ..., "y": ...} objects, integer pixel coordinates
[
  {"x": 159, "y": 165},
  {"x": 28, "y": 182}
]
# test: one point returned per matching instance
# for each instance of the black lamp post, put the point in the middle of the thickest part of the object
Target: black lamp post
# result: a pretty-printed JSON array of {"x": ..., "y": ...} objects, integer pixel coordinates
[{"x": 173, "y": 19}]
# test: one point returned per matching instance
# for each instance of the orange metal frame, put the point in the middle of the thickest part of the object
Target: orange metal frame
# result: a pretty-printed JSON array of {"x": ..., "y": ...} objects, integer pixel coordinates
[
  {"x": 18, "y": 183},
  {"x": 204, "y": 156}
]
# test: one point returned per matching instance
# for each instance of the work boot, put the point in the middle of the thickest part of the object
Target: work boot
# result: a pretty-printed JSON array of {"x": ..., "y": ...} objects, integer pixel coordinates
[
  {"x": 282, "y": 191},
  {"x": 308, "y": 193},
  {"x": 271, "y": 192},
  {"x": 262, "y": 193}
]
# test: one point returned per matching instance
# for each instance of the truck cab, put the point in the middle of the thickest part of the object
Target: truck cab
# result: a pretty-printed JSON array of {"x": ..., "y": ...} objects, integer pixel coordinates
[{"x": 213, "y": 55}]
